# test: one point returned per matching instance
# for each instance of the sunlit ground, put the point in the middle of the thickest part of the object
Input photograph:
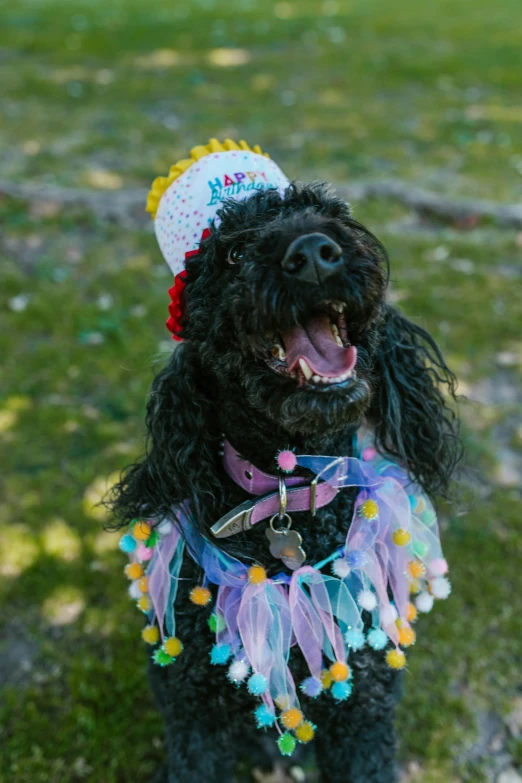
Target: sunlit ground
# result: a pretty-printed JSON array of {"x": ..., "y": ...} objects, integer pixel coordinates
[{"x": 105, "y": 96}]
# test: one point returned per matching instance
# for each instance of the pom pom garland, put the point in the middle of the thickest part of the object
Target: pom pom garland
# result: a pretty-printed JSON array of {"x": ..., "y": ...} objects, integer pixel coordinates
[
  {"x": 341, "y": 690},
  {"x": 339, "y": 671},
  {"x": 356, "y": 558},
  {"x": 219, "y": 654},
  {"x": 150, "y": 634},
  {"x": 396, "y": 659},
  {"x": 424, "y": 602},
  {"x": 165, "y": 527},
  {"x": 144, "y": 603},
  {"x": 354, "y": 639},
  {"x": 134, "y": 570},
  {"x": 216, "y": 623},
  {"x": 369, "y": 509},
  {"x": 257, "y": 684},
  {"x": 341, "y": 568},
  {"x": 389, "y": 615},
  {"x": 401, "y": 537},
  {"x": 283, "y": 701},
  {"x": 238, "y": 671},
  {"x": 162, "y": 658},
  {"x": 201, "y": 596},
  {"x": 305, "y": 732},
  {"x": 264, "y": 717},
  {"x": 286, "y": 461},
  {"x": 143, "y": 584},
  {"x": 367, "y": 600},
  {"x": 369, "y": 453},
  {"x": 286, "y": 744},
  {"x": 256, "y": 575},
  {"x": 134, "y": 590},
  {"x": 291, "y": 718},
  {"x": 440, "y": 587},
  {"x": 127, "y": 544},
  {"x": 141, "y": 531},
  {"x": 144, "y": 553},
  {"x": 172, "y": 646},
  {"x": 438, "y": 567},
  {"x": 420, "y": 549},
  {"x": 312, "y": 687},
  {"x": 416, "y": 569},
  {"x": 406, "y": 636},
  {"x": 326, "y": 679},
  {"x": 377, "y": 639}
]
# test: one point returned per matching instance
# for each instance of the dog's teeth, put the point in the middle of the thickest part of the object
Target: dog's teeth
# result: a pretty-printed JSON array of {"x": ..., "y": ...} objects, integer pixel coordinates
[
  {"x": 278, "y": 352},
  {"x": 335, "y": 330},
  {"x": 338, "y": 340},
  {"x": 316, "y": 378},
  {"x": 305, "y": 369},
  {"x": 338, "y": 306}
]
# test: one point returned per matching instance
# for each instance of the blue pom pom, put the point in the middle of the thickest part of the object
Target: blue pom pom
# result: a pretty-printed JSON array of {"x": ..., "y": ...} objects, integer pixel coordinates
[
  {"x": 257, "y": 684},
  {"x": 220, "y": 653},
  {"x": 127, "y": 543},
  {"x": 377, "y": 639},
  {"x": 312, "y": 687},
  {"x": 264, "y": 717},
  {"x": 341, "y": 690},
  {"x": 413, "y": 501},
  {"x": 354, "y": 639},
  {"x": 356, "y": 558}
]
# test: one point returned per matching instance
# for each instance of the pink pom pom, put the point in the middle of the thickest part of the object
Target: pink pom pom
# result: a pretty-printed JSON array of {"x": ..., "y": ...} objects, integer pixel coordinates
[
  {"x": 369, "y": 453},
  {"x": 287, "y": 460},
  {"x": 438, "y": 567},
  {"x": 144, "y": 552}
]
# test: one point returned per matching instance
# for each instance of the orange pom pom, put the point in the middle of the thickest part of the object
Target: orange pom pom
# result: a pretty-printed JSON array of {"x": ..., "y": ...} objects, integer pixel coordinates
[
  {"x": 200, "y": 596},
  {"x": 150, "y": 634},
  {"x": 143, "y": 584},
  {"x": 411, "y": 615},
  {"x": 305, "y": 732},
  {"x": 256, "y": 575},
  {"x": 173, "y": 646},
  {"x": 291, "y": 718},
  {"x": 339, "y": 671},
  {"x": 416, "y": 569},
  {"x": 401, "y": 537},
  {"x": 326, "y": 679},
  {"x": 134, "y": 570},
  {"x": 141, "y": 531},
  {"x": 406, "y": 636},
  {"x": 144, "y": 603},
  {"x": 396, "y": 659}
]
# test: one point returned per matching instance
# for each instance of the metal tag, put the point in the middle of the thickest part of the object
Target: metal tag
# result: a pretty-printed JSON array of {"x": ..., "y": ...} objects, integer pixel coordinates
[{"x": 285, "y": 545}]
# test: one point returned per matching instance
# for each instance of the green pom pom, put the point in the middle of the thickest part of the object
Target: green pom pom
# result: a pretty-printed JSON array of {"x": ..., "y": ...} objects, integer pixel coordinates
[
  {"x": 152, "y": 539},
  {"x": 420, "y": 549},
  {"x": 216, "y": 622},
  {"x": 286, "y": 744},
  {"x": 162, "y": 658}
]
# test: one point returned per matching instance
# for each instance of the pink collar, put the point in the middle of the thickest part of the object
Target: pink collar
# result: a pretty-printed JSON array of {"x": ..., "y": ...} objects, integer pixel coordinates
[{"x": 279, "y": 495}]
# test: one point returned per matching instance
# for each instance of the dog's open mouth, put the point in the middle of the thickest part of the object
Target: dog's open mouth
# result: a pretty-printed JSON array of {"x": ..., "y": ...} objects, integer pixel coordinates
[{"x": 318, "y": 352}]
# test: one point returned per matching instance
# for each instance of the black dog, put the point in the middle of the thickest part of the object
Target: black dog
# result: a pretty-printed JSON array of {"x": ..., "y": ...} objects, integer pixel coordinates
[{"x": 275, "y": 262}]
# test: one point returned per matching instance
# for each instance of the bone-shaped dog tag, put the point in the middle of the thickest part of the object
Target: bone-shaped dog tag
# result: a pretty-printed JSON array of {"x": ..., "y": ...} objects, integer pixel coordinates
[{"x": 285, "y": 545}]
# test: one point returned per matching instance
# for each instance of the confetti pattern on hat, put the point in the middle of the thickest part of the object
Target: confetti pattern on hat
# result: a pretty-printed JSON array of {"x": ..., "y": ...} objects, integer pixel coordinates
[{"x": 185, "y": 203}]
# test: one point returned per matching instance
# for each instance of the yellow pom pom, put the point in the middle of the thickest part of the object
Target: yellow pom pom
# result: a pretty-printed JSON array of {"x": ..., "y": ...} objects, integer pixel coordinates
[
  {"x": 143, "y": 584},
  {"x": 411, "y": 614},
  {"x": 415, "y": 586},
  {"x": 401, "y": 537},
  {"x": 291, "y": 718},
  {"x": 144, "y": 603},
  {"x": 305, "y": 732},
  {"x": 134, "y": 570},
  {"x": 339, "y": 671},
  {"x": 326, "y": 679},
  {"x": 369, "y": 509},
  {"x": 396, "y": 659},
  {"x": 421, "y": 505},
  {"x": 200, "y": 596},
  {"x": 150, "y": 634},
  {"x": 141, "y": 531},
  {"x": 173, "y": 646},
  {"x": 406, "y": 636},
  {"x": 416, "y": 569},
  {"x": 256, "y": 575}
]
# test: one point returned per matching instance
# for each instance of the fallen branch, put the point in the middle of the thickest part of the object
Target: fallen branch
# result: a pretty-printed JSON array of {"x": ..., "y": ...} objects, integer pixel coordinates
[{"x": 128, "y": 205}]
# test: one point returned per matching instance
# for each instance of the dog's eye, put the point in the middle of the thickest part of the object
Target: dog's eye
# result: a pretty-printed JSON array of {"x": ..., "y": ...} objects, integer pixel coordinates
[{"x": 235, "y": 255}]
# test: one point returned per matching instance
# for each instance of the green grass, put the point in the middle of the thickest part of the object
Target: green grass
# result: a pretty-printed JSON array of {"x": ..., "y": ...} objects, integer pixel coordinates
[{"x": 428, "y": 92}]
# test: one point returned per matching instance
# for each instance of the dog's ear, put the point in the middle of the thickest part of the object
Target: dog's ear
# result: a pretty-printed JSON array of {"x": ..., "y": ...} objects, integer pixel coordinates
[
  {"x": 409, "y": 411},
  {"x": 182, "y": 446}
]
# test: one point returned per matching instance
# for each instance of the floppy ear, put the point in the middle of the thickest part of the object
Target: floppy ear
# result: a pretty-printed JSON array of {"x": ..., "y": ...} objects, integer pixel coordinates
[
  {"x": 182, "y": 447},
  {"x": 412, "y": 419}
]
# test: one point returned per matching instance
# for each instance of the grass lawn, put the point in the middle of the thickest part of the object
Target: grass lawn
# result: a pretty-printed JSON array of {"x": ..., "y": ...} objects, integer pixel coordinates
[{"x": 106, "y": 95}]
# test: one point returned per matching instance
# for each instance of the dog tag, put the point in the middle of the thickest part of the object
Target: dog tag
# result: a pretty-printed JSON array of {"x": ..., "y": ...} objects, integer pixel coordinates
[{"x": 285, "y": 545}]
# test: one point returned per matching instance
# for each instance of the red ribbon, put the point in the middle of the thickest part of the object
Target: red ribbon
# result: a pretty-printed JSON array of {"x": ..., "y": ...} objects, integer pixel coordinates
[{"x": 177, "y": 305}]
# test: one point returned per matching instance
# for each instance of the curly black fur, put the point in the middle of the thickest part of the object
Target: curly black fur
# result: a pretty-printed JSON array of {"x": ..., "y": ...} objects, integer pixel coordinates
[{"x": 218, "y": 381}]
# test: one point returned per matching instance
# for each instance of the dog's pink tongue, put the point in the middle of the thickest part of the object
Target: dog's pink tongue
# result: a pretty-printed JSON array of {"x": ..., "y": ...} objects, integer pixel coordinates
[{"x": 315, "y": 343}]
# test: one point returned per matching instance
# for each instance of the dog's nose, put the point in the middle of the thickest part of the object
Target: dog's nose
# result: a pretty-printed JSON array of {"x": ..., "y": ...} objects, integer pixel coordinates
[{"x": 312, "y": 258}]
